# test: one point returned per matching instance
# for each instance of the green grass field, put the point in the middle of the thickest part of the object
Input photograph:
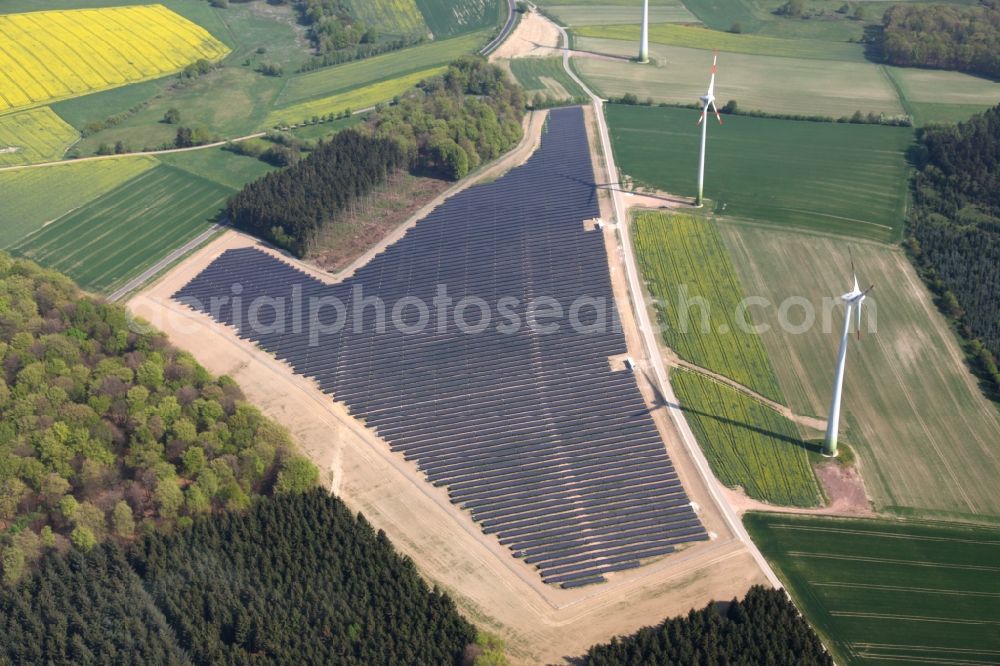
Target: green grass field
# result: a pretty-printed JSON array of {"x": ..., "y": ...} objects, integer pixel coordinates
[
  {"x": 330, "y": 81},
  {"x": 757, "y": 16},
  {"x": 677, "y": 74},
  {"x": 547, "y": 76},
  {"x": 447, "y": 18},
  {"x": 933, "y": 95},
  {"x": 220, "y": 166},
  {"x": 398, "y": 17},
  {"x": 832, "y": 177},
  {"x": 355, "y": 99},
  {"x": 611, "y": 12},
  {"x": 884, "y": 592},
  {"x": 923, "y": 431},
  {"x": 698, "y": 299},
  {"x": 747, "y": 443},
  {"x": 35, "y": 135},
  {"x": 116, "y": 236},
  {"x": 702, "y": 38},
  {"x": 33, "y": 197}
]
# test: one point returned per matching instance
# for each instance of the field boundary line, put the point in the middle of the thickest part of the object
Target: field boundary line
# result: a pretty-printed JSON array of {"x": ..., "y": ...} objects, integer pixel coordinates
[
  {"x": 139, "y": 280},
  {"x": 891, "y": 535},
  {"x": 911, "y": 618},
  {"x": 901, "y": 588},
  {"x": 925, "y": 647},
  {"x": 889, "y": 560}
]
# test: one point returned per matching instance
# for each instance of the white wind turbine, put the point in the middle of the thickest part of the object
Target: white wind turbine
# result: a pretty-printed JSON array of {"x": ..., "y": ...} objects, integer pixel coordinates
[
  {"x": 854, "y": 298},
  {"x": 644, "y": 38},
  {"x": 708, "y": 99}
]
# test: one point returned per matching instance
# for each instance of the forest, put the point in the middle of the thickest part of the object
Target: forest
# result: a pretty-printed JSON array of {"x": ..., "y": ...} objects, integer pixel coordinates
[
  {"x": 763, "y": 628},
  {"x": 446, "y": 126},
  {"x": 287, "y": 207},
  {"x": 450, "y": 124},
  {"x": 953, "y": 229},
  {"x": 944, "y": 36},
  {"x": 296, "y": 578},
  {"x": 107, "y": 431}
]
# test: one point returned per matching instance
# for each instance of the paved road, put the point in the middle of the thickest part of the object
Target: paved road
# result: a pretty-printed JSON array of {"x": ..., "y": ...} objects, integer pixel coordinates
[
  {"x": 158, "y": 267},
  {"x": 649, "y": 335},
  {"x": 508, "y": 26},
  {"x": 165, "y": 151}
]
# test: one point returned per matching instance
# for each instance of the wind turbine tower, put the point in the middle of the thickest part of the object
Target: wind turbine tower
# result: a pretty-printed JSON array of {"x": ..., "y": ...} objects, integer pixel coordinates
[
  {"x": 644, "y": 39},
  {"x": 852, "y": 299},
  {"x": 708, "y": 99}
]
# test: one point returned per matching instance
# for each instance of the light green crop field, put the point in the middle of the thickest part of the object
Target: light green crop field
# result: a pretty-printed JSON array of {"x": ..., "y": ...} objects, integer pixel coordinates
[
  {"x": 547, "y": 76},
  {"x": 36, "y": 135},
  {"x": 698, "y": 298},
  {"x": 34, "y": 196},
  {"x": 111, "y": 239},
  {"x": 886, "y": 592},
  {"x": 605, "y": 12},
  {"x": 330, "y": 81},
  {"x": 934, "y": 95},
  {"x": 447, "y": 18},
  {"x": 221, "y": 166},
  {"x": 362, "y": 97},
  {"x": 914, "y": 415},
  {"x": 703, "y": 38},
  {"x": 747, "y": 443},
  {"x": 401, "y": 17},
  {"x": 777, "y": 85},
  {"x": 833, "y": 177}
]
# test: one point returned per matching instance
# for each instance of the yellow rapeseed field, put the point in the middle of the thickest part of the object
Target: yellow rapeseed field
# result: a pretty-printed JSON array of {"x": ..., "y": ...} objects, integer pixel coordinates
[
  {"x": 51, "y": 55},
  {"x": 34, "y": 135}
]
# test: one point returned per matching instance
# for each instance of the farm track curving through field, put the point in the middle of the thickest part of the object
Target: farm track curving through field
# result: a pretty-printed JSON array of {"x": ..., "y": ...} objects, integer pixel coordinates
[
  {"x": 647, "y": 331},
  {"x": 808, "y": 421}
]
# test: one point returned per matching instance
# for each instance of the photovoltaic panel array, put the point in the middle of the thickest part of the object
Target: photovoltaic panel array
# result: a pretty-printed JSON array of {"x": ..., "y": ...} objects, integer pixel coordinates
[{"x": 512, "y": 408}]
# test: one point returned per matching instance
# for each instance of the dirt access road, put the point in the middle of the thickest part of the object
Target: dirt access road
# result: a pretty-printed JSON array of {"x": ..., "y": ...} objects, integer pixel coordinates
[{"x": 501, "y": 594}]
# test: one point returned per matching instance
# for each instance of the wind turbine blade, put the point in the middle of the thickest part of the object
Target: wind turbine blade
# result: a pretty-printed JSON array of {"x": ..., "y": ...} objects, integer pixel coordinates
[
  {"x": 715, "y": 67},
  {"x": 865, "y": 292},
  {"x": 850, "y": 253},
  {"x": 859, "y": 321},
  {"x": 717, "y": 116},
  {"x": 701, "y": 116}
]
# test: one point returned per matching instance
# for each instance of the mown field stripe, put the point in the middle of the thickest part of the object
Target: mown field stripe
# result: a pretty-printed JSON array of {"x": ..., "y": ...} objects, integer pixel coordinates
[{"x": 888, "y": 535}]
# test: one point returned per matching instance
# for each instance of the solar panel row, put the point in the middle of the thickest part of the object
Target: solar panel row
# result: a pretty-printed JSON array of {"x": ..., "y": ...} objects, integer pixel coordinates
[{"x": 529, "y": 430}]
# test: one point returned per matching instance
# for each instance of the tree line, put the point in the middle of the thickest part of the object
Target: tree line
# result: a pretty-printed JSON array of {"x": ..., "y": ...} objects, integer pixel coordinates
[
  {"x": 953, "y": 230},
  {"x": 446, "y": 126},
  {"x": 763, "y": 628},
  {"x": 944, "y": 36},
  {"x": 108, "y": 431},
  {"x": 296, "y": 578}
]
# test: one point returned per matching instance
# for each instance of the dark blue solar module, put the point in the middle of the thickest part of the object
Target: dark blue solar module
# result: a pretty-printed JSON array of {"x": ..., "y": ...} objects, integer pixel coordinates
[{"x": 529, "y": 430}]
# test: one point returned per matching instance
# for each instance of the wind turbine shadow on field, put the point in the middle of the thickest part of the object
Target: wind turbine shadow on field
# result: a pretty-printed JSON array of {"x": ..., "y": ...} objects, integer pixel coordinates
[
  {"x": 814, "y": 448},
  {"x": 659, "y": 400}
]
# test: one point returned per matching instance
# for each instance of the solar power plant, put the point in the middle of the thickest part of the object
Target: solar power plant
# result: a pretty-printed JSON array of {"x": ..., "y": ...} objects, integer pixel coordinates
[{"x": 528, "y": 429}]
